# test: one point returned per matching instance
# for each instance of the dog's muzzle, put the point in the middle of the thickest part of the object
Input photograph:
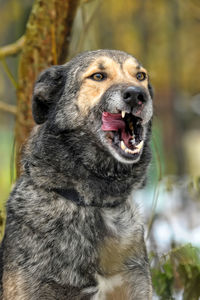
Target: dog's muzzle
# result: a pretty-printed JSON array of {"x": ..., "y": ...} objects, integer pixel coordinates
[{"x": 124, "y": 130}]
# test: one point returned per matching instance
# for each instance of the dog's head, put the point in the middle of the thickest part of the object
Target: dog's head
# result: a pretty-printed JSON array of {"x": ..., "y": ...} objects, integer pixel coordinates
[{"x": 103, "y": 95}]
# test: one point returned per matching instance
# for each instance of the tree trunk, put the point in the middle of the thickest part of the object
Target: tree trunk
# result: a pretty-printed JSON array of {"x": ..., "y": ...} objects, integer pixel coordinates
[{"x": 47, "y": 41}]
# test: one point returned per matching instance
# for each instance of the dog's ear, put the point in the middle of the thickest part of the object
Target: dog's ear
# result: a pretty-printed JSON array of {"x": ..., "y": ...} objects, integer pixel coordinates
[
  {"x": 47, "y": 91},
  {"x": 151, "y": 91}
]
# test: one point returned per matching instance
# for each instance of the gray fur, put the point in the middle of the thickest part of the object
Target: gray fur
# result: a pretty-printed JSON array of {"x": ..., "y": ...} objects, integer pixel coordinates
[{"x": 51, "y": 244}]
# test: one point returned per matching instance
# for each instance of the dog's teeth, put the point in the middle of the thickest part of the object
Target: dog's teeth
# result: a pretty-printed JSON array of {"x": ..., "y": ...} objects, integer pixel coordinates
[
  {"x": 140, "y": 145},
  {"x": 122, "y": 145},
  {"x": 123, "y": 114},
  {"x": 134, "y": 151}
]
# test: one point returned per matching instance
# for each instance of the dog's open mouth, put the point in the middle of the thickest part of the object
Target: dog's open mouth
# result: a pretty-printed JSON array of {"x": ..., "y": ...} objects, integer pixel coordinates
[{"x": 124, "y": 132}]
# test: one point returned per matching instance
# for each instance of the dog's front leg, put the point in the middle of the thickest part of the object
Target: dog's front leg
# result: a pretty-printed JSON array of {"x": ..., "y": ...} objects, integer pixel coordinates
[
  {"x": 19, "y": 285},
  {"x": 139, "y": 278},
  {"x": 14, "y": 286}
]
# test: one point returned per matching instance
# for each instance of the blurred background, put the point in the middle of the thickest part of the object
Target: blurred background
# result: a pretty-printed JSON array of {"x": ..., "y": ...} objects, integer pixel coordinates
[{"x": 164, "y": 36}]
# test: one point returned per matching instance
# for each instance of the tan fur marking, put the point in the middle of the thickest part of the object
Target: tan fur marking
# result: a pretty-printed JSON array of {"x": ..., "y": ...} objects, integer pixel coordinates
[
  {"x": 113, "y": 255},
  {"x": 111, "y": 67},
  {"x": 13, "y": 286},
  {"x": 91, "y": 91},
  {"x": 119, "y": 293},
  {"x": 130, "y": 69}
]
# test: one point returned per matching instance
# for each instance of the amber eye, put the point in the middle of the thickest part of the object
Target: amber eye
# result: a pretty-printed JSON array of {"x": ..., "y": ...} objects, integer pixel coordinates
[
  {"x": 141, "y": 76},
  {"x": 98, "y": 76}
]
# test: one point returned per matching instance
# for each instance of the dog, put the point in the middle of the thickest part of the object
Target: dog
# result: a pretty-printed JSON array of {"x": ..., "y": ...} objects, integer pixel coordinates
[{"x": 72, "y": 229}]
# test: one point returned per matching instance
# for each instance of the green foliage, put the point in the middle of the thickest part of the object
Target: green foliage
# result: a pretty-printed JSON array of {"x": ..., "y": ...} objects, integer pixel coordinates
[
  {"x": 178, "y": 270},
  {"x": 189, "y": 272},
  {"x": 163, "y": 281}
]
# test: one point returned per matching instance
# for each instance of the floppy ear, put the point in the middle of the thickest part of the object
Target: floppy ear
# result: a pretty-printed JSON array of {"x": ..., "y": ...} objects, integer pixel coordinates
[
  {"x": 47, "y": 91},
  {"x": 151, "y": 91}
]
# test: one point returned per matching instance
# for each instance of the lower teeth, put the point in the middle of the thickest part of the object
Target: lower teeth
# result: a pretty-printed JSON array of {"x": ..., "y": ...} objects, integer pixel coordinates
[{"x": 127, "y": 150}]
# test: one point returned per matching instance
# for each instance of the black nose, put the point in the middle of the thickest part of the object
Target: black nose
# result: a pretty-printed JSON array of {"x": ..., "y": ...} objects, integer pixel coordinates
[{"x": 134, "y": 96}]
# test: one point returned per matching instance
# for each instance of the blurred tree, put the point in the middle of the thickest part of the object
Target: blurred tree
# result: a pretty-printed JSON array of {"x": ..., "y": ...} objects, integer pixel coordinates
[{"x": 46, "y": 43}]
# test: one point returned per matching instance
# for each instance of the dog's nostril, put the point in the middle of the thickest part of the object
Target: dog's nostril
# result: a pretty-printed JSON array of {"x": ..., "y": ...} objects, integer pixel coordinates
[
  {"x": 140, "y": 98},
  {"x": 127, "y": 95}
]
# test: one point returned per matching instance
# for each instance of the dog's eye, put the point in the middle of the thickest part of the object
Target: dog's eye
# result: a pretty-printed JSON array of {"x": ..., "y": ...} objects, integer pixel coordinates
[
  {"x": 98, "y": 76},
  {"x": 141, "y": 76}
]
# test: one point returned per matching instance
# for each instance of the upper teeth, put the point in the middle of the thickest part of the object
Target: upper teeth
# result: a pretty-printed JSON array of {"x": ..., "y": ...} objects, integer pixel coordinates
[{"x": 123, "y": 114}]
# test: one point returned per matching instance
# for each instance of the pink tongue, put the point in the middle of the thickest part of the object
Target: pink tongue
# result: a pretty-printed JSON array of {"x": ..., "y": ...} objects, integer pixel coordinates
[{"x": 114, "y": 122}]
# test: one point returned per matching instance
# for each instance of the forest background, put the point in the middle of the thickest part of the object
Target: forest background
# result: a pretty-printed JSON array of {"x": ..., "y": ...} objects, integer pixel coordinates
[{"x": 164, "y": 36}]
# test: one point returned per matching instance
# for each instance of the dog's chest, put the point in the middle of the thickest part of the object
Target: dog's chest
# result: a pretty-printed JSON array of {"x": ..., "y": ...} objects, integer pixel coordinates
[{"x": 116, "y": 250}]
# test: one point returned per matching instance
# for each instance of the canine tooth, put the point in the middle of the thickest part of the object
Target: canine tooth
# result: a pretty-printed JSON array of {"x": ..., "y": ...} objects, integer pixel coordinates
[
  {"x": 140, "y": 145},
  {"x": 122, "y": 145},
  {"x": 123, "y": 114}
]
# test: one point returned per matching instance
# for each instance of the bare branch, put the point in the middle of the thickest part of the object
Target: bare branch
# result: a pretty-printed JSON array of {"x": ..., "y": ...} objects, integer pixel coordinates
[
  {"x": 12, "y": 49},
  {"x": 8, "y": 72},
  {"x": 48, "y": 33},
  {"x": 12, "y": 109}
]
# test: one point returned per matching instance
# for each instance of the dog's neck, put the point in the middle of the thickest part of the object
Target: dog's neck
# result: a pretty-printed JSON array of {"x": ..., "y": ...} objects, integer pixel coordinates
[{"x": 80, "y": 171}]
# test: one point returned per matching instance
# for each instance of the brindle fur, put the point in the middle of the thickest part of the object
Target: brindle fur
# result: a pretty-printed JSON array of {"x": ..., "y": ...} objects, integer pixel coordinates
[{"x": 53, "y": 248}]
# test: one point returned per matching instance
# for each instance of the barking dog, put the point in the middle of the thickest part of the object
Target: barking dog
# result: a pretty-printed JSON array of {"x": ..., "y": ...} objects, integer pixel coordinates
[{"x": 72, "y": 231}]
